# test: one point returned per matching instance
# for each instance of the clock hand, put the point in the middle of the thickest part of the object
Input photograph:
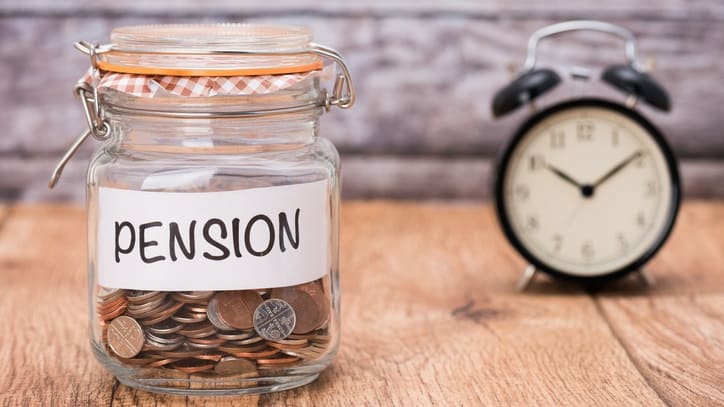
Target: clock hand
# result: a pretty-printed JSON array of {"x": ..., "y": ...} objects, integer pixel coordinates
[
  {"x": 564, "y": 176},
  {"x": 617, "y": 168}
]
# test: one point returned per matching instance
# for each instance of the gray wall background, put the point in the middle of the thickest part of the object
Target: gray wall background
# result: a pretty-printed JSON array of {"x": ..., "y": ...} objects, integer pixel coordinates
[{"x": 425, "y": 73}]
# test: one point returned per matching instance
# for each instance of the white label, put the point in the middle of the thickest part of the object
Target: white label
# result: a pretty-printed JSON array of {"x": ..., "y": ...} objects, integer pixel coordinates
[{"x": 231, "y": 240}]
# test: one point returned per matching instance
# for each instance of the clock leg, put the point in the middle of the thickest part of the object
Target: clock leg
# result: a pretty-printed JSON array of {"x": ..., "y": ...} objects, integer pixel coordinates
[
  {"x": 527, "y": 278},
  {"x": 646, "y": 278}
]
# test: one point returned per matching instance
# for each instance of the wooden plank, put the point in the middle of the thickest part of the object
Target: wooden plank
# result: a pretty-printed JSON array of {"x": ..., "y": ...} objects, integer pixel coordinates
[
  {"x": 692, "y": 260},
  {"x": 424, "y": 84},
  {"x": 430, "y": 316},
  {"x": 43, "y": 303},
  {"x": 399, "y": 177},
  {"x": 676, "y": 342},
  {"x": 428, "y": 297},
  {"x": 491, "y": 8}
]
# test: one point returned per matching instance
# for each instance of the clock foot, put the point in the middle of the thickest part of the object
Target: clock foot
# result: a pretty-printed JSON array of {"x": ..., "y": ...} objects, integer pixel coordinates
[
  {"x": 646, "y": 278},
  {"x": 527, "y": 278}
]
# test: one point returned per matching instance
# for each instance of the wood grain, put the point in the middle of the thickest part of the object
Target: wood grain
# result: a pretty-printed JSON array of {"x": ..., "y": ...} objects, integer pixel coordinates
[
  {"x": 43, "y": 304},
  {"x": 429, "y": 315},
  {"x": 676, "y": 342}
]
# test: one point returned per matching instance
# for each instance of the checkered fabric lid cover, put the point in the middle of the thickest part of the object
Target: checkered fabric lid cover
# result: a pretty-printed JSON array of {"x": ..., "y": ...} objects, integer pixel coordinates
[{"x": 197, "y": 86}]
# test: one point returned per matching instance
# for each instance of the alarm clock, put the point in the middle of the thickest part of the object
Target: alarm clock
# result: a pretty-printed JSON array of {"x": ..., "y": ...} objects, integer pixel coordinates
[{"x": 586, "y": 189}]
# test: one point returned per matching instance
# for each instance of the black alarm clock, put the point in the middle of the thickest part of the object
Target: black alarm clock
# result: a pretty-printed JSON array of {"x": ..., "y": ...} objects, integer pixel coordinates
[{"x": 588, "y": 188}]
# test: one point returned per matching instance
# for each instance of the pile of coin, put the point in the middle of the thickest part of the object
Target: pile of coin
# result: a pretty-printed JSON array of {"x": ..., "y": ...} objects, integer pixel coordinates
[{"x": 216, "y": 332}]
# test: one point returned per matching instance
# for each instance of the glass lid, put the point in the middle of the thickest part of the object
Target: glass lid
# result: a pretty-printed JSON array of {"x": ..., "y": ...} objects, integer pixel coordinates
[{"x": 209, "y": 50}]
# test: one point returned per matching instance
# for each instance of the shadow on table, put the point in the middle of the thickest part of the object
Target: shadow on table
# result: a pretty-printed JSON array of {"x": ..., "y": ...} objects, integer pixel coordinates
[{"x": 631, "y": 285}]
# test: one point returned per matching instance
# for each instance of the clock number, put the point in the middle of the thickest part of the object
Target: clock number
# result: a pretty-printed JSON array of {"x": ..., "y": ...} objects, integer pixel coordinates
[
  {"x": 557, "y": 243},
  {"x": 614, "y": 138},
  {"x": 558, "y": 139},
  {"x": 584, "y": 130},
  {"x": 640, "y": 219},
  {"x": 532, "y": 222},
  {"x": 639, "y": 161},
  {"x": 622, "y": 243},
  {"x": 651, "y": 189},
  {"x": 587, "y": 251},
  {"x": 522, "y": 192},
  {"x": 536, "y": 162}
]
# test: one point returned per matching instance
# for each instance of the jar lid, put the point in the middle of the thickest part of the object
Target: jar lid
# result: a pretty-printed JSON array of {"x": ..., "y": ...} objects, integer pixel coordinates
[{"x": 209, "y": 50}]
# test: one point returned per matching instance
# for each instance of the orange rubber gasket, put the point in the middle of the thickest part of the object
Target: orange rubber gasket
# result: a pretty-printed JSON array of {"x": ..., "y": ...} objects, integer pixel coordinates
[{"x": 144, "y": 70}]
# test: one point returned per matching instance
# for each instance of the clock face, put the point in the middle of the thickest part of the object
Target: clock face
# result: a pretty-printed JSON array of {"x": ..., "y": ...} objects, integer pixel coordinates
[{"x": 588, "y": 189}]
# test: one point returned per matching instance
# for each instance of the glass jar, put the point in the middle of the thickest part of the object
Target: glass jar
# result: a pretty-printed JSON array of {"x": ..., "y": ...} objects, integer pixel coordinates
[{"x": 213, "y": 207}]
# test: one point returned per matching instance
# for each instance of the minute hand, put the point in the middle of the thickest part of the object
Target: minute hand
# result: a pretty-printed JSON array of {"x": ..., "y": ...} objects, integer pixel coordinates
[{"x": 617, "y": 168}]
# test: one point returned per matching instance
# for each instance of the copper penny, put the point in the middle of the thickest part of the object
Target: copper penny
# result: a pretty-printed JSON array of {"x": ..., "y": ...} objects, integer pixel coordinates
[
  {"x": 233, "y": 350},
  {"x": 309, "y": 303},
  {"x": 236, "y": 336},
  {"x": 162, "y": 315},
  {"x": 192, "y": 366},
  {"x": 236, "y": 308},
  {"x": 160, "y": 362},
  {"x": 198, "y": 330},
  {"x": 264, "y": 353},
  {"x": 125, "y": 337},
  {"x": 210, "y": 356},
  {"x": 231, "y": 365},
  {"x": 277, "y": 361}
]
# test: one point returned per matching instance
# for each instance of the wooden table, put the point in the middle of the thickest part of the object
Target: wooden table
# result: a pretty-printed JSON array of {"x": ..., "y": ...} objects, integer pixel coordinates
[{"x": 429, "y": 313}]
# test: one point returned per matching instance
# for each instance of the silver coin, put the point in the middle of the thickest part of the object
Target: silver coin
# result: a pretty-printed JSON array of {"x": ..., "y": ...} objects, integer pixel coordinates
[
  {"x": 165, "y": 328},
  {"x": 164, "y": 339},
  {"x": 274, "y": 319},
  {"x": 212, "y": 314}
]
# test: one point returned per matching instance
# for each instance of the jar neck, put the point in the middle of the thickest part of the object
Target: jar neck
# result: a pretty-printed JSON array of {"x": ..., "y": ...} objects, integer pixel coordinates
[{"x": 228, "y": 124}]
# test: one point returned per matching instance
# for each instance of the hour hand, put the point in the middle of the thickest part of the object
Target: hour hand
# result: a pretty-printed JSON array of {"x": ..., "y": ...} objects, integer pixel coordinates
[{"x": 564, "y": 176}]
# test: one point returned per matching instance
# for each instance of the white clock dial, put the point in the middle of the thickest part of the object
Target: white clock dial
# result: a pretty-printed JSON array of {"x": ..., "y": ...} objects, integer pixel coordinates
[{"x": 587, "y": 191}]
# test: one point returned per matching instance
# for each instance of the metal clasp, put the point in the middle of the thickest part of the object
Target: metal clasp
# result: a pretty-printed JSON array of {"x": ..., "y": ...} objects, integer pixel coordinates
[
  {"x": 97, "y": 126},
  {"x": 342, "y": 96}
]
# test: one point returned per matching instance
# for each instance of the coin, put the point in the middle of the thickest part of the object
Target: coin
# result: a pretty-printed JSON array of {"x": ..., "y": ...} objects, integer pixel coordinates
[
  {"x": 139, "y": 296},
  {"x": 165, "y": 327},
  {"x": 236, "y": 335},
  {"x": 109, "y": 294},
  {"x": 125, "y": 337},
  {"x": 212, "y": 313},
  {"x": 192, "y": 366},
  {"x": 287, "y": 346},
  {"x": 171, "y": 338},
  {"x": 188, "y": 317},
  {"x": 193, "y": 297},
  {"x": 304, "y": 353},
  {"x": 210, "y": 356},
  {"x": 198, "y": 330},
  {"x": 309, "y": 303},
  {"x": 183, "y": 352},
  {"x": 231, "y": 365},
  {"x": 236, "y": 308},
  {"x": 277, "y": 361},
  {"x": 259, "y": 354},
  {"x": 160, "y": 362},
  {"x": 236, "y": 351},
  {"x": 162, "y": 314},
  {"x": 274, "y": 319},
  {"x": 111, "y": 314}
]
